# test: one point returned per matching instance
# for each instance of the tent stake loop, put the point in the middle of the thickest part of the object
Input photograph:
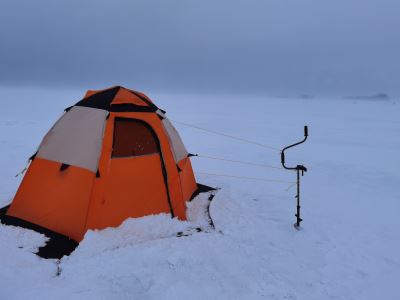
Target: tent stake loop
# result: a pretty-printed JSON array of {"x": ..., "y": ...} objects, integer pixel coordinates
[{"x": 298, "y": 169}]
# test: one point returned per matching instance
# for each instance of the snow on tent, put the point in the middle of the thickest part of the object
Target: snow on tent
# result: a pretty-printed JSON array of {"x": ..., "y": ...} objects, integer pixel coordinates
[{"x": 113, "y": 155}]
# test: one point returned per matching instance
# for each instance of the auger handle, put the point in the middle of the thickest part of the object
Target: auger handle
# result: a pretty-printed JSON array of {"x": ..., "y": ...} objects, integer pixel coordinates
[{"x": 290, "y": 146}]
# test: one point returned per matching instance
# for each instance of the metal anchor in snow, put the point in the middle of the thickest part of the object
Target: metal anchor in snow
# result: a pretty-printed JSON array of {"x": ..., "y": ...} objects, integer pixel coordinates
[{"x": 298, "y": 169}]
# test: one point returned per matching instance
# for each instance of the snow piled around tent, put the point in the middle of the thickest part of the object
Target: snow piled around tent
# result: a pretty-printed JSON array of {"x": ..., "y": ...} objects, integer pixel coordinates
[
  {"x": 348, "y": 248},
  {"x": 130, "y": 232},
  {"x": 136, "y": 231},
  {"x": 19, "y": 268}
]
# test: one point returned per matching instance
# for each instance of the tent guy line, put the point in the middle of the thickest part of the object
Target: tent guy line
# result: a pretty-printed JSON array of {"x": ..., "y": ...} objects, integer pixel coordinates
[
  {"x": 226, "y": 135},
  {"x": 250, "y": 178},
  {"x": 238, "y": 161}
]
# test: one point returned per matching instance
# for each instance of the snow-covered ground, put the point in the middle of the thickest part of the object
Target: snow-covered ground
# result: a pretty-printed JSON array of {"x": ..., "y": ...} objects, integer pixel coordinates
[{"x": 348, "y": 248}]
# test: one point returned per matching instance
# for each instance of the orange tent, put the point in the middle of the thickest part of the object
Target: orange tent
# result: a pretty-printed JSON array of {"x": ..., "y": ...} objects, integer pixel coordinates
[{"x": 111, "y": 156}]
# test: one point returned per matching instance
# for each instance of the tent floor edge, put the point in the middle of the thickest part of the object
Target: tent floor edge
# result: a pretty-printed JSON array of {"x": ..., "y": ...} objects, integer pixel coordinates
[
  {"x": 201, "y": 188},
  {"x": 58, "y": 245}
]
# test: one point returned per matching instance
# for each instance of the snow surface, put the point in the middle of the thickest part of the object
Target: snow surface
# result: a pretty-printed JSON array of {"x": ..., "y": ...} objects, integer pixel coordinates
[{"x": 348, "y": 248}]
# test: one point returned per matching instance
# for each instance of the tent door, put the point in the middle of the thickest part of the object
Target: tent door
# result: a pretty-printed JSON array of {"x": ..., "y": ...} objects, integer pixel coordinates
[{"x": 136, "y": 185}]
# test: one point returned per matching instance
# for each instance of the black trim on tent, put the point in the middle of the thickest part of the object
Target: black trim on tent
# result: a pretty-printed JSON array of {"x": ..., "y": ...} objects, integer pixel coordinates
[
  {"x": 58, "y": 244},
  {"x": 149, "y": 103},
  {"x": 63, "y": 167},
  {"x": 103, "y": 99},
  {"x": 201, "y": 188},
  {"x": 33, "y": 156},
  {"x": 164, "y": 170},
  {"x": 100, "y": 100},
  {"x": 3, "y": 210},
  {"x": 129, "y": 107}
]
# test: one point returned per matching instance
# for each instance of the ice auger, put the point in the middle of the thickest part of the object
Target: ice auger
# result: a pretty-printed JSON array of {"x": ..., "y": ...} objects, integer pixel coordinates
[{"x": 298, "y": 169}]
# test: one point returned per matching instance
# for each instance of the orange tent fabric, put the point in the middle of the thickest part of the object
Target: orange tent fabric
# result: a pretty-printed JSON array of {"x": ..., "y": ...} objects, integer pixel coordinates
[{"x": 111, "y": 156}]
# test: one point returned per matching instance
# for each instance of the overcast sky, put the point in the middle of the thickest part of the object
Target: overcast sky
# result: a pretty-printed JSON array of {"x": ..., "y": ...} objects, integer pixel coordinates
[{"x": 250, "y": 46}]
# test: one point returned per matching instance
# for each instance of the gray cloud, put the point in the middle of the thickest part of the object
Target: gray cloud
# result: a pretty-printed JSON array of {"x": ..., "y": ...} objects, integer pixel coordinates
[{"x": 296, "y": 46}]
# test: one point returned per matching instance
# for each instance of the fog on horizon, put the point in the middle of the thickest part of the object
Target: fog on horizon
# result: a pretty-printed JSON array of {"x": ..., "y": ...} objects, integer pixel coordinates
[{"x": 342, "y": 47}]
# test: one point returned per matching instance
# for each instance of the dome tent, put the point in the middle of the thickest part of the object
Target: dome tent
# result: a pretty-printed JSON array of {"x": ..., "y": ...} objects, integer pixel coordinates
[{"x": 111, "y": 156}]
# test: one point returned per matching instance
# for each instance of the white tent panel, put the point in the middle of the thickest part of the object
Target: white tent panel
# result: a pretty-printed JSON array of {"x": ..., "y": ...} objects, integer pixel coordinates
[
  {"x": 76, "y": 138},
  {"x": 175, "y": 140}
]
